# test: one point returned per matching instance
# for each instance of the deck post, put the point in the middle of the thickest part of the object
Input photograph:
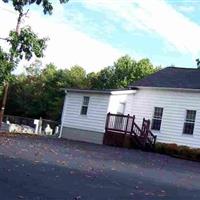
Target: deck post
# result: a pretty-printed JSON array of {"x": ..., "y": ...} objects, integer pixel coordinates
[
  {"x": 147, "y": 129},
  {"x": 127, "y": 141},
  {"x": 107, "y": 122},
  {"x": 149, "y": 124},
  {"x": 143, "y": 127},
  {"x": 128, "y": 116},
  {"x": 132, "y": 126},
  {"x": 105, "y": 137}
]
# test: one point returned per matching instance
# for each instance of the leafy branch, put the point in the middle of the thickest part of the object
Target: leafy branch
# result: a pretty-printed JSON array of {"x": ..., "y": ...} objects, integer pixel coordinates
[{"x": 25, "y": 44}]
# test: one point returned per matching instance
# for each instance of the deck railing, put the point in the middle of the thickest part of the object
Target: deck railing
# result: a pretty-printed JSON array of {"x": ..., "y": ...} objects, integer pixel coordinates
[
  {"x": 117, "y": 122},
  {"x": 125, "y": 124}
]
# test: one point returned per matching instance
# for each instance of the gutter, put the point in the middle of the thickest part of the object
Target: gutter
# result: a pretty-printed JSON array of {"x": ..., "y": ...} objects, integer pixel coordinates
[
  {"x": 166, "y": 88},
  {"x": 106, "y": 92}
]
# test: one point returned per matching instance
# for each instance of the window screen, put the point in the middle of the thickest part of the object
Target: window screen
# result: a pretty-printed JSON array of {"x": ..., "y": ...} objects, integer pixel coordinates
[
  {"x": 84, "y": 107},
  {"x": 157, "y": 118},
  {"x": 189, "y": 122}
]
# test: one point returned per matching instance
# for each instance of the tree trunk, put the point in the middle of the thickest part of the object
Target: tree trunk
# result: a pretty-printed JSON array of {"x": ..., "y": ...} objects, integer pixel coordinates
[
  {"x": 3, "y": 102},
  {"x": 19, "y": 23},
  {"x": 6, "y": 85}
]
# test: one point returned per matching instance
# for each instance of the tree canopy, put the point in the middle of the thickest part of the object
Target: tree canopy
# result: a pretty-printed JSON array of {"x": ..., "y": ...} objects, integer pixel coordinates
[
  {"x": 124, "y": 72},
  {"x": 39, "y": 92},
  {"x": 19, "y": 5},
  {"x": 23, "y": 42}
]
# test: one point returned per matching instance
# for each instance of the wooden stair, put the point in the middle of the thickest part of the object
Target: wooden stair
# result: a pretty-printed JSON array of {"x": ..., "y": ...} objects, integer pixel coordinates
[{"x": 121, "y": 129}]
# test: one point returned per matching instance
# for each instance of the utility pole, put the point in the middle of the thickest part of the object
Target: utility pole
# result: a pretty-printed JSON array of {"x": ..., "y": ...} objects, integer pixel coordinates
[
  {"x": 6, "y": 84},
  {"x": 5, "y": 93}
]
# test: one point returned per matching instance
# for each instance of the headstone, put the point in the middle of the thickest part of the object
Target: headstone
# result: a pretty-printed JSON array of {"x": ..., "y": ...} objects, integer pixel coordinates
[
  {"x": 48, "y": 130},
  {"x": 36, "y": 122}
]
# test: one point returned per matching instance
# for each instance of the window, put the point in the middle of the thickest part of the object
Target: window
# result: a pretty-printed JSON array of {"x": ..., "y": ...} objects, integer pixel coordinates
[
  {"x": 84, "y": 107},
  {"x": 157, "y": 118},
  {"x": 121, "y": 108},
  {"x": 119, "y": 121},
  {"x": 189, "y": 122}
]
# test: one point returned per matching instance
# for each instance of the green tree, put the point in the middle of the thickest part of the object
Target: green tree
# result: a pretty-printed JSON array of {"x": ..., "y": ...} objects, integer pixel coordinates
[
  {"x": 24, "y": 43},
  {"x": 77, "y": 77},
  {"x": 40, "y": 92},
  {"x": 5, "y": 66},
  {"x": 103, "y": 79},
  {"x": 124, "y": 72},
  {"x": 92, "y": 80}
]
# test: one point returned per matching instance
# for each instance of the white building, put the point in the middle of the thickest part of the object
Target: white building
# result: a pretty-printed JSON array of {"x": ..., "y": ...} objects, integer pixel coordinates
[{"x": 170, "y": 98}]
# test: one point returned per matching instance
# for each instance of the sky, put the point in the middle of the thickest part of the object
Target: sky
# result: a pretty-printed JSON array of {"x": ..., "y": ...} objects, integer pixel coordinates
[{"x": 95, "y": 33}]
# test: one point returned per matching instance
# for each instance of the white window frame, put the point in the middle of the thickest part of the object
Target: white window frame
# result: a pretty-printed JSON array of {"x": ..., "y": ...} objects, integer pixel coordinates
[
  {"x": 122, "y": 111},
  {"x": 189, "y": 121},
  {"x": 157, "y": 118},
  {"x": 85, "y": 104}
]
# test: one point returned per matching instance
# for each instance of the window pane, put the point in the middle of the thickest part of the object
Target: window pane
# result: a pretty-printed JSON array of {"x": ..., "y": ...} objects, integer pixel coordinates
[
  {"x": 156, "y": 124},
  {"x": 157, "y": 118},
  {"x": 188, "y": 128},
  {"x": 84, "y": 110},
  {"x": 86, "y": 101},
  {"x": 158, "y": 112},
  {"x": 191, "y": 115}
]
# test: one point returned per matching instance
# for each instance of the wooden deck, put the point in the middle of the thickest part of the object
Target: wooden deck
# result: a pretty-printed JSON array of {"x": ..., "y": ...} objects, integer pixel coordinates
[{"x": 122, "y": 130}]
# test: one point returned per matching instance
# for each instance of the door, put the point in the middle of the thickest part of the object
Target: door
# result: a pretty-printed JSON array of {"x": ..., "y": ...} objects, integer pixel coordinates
[{"x": 119, "y": 120}]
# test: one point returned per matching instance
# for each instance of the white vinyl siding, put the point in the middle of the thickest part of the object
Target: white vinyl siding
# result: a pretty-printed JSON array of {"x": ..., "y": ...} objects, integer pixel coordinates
[
  {"x": 98, "y": 107},
  {"x": 175, "y": 104},
  {"x": 141, "y": 104},
  {"x": 96, "y": 113},
  {"x": 116, "y": 102}
]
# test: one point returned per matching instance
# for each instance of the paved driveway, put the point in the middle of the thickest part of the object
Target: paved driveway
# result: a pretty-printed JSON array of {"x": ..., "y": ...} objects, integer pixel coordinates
[{"x": 42, "y": 168}]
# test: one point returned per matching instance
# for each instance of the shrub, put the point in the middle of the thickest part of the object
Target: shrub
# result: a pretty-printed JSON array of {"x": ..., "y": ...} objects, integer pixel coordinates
[
  {"x": 160, "y": 148},
  {"x": 185, "y": 151},
  {"x": 166, "y": 148},
  {"x": 197, "y": 154},
  {"x": 178, "y": 151},
  {"x": 172, "y": 148}
]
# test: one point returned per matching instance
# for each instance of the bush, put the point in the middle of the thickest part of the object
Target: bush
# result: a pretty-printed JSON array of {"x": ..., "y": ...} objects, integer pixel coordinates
[
  {"x": 178, "y": 151},
  {"x": 160, "y": 148},
  {"x": 185, "y": 152},
  {"x": 166, "y": 148},
  {"x": 172, "y": 148}
]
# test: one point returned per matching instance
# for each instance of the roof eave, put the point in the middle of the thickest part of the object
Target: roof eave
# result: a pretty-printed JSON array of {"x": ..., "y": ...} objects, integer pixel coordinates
[
  {"x": 166, "y": 88},
  {"x": 110, "y": 92},
  {"x": 87, "y": 91}
]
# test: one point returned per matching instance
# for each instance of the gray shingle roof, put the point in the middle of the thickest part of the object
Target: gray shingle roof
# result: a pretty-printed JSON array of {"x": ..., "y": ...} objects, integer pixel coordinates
[{"x": 171, "y": 77}]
